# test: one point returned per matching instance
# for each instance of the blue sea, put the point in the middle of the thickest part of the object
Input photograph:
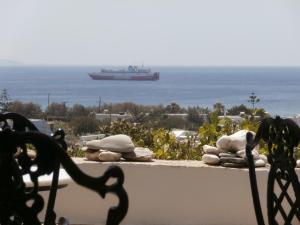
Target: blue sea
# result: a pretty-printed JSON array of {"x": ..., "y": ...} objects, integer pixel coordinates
[{"x": 278, "y": 88}]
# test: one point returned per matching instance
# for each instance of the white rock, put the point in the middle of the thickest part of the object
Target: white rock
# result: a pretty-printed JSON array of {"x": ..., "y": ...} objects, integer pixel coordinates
[
  {"x": 139, "y": 154},
  {"x": 107, "y": 156},
  {"x": 92, "y": 156},
  {"x": 210, "y": 159},
  {"x": 255, "y": 154},
  {"x": 223, "y": 150},
  {"x": 263, "y": 157},
  {"x": 298, "y": 163},
  {"x": 211, "y": 150},
  {"x": 94, "y": 144},
  {"x": 84, "y": 148},
  {"x": 238, "y": 140},
  {"x": 259, "y": 163},
  {"x": 114, "y": 143},
  {"x": 31, "y": 154},
  {"x": 223, "y": 143},
  {"x": 234, "y": 142},
  {"x": 242, "y": 154}
]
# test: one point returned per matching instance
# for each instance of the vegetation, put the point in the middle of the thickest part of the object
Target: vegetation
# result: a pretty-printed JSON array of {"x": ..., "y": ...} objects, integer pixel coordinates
[
  {"x": 58, "y": 110},
  {"x": 4, "y": 100},
  {"x": 219, "y": 108},
  {"x": 236, "y": 110},
  {"x": 84, "y": 125},
  {"x": 160, "y": 141},
  {"x": 29, "y": 110},
  {"x": 149, "y": 126},
  {"x": 253, "y": 99}
]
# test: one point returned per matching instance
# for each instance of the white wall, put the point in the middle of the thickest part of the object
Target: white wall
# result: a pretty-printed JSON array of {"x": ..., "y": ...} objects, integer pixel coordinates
[{"x": 168, "y": 193}]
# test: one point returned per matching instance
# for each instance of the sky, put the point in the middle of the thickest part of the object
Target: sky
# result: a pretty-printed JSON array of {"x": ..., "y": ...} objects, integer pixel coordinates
[{"x": 152, "y": 32}]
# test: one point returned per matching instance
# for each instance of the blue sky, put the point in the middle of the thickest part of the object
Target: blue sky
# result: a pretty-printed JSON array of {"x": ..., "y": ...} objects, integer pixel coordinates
[{"x": 156, "y": 32}]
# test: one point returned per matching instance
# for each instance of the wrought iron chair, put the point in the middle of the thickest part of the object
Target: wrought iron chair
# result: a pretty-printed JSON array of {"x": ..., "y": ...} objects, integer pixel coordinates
[
  {"x": 16, "y": 132},
  {"x": 283, "y": 188}
]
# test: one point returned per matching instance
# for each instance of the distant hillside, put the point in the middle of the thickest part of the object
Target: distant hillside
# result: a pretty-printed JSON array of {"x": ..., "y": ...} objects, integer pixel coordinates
[{"x": 5, "y": 62}]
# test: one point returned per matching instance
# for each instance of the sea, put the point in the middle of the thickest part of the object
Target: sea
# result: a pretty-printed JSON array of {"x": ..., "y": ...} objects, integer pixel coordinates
[{"x": 278, "y": 88}]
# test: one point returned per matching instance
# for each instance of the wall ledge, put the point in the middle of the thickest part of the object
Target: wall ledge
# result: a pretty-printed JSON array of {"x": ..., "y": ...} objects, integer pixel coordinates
[
  {"x": 164, "y": 192},
  {"x": 167, "y": 163}
]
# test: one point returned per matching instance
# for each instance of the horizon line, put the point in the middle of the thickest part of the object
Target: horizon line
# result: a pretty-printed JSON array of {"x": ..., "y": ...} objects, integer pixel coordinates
[{"x": 152, "y": 65}]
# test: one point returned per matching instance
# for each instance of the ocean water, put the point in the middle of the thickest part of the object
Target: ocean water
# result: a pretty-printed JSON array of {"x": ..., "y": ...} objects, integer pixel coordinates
[{"x": 278, "y": 88}]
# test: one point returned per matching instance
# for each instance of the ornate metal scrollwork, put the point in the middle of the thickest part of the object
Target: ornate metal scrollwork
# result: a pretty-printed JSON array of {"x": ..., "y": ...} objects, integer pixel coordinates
[
  {"x": 20, "y": 205},
  {"x": 283, "y": 191}
]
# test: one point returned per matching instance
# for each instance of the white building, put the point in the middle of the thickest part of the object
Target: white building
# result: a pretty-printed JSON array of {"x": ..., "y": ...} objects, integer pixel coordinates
[{"x": 112, "y": 116}]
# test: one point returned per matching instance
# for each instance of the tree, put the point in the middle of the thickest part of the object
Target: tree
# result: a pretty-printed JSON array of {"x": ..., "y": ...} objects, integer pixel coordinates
[
  {"x": 4, "y": 100},
  {"x": 194, "y": 116},
  {"x": 219, "y": 108},
  {"x": 29, "y": 110},
  {"x": 253, "y": 99},
  {"x": 84, "y": 125},
  {"x": 57, "y": 110},
  {"x": 173, "y": 108},
  {"x": 260, "y": 112},
  {"x": 78, "y": 111},
  {"x": 236, "y": 110}
]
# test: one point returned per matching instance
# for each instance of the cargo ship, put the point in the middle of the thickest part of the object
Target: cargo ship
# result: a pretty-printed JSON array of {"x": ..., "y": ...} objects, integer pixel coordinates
[{"x": 130, "y": 73}]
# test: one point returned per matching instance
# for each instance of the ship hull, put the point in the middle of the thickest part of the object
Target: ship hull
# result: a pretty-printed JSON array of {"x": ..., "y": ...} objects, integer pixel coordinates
[{"x": 137, "y": 77}]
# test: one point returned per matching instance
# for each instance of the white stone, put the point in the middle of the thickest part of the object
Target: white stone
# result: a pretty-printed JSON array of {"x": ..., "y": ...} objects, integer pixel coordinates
[
  {"x": 207, "y": 149},
  {"x": 242, "y": 154},
  {"x": 107, "y": 156},
  {"x": 114, "y": 143},
  {"x": 139, "y": 154},
  {"x": 223, "y": 143},
  {"x": 234, "y": 142},
  {"x": 255, "y": 154},
  {"x": 92, "y": 156},
  {"x": 30, "y": 153},
  {"x": 211, "y": 159},
  {"x": 259, "y": 163},
  {"x": 84, "y": 148},
  {"x": 223, "y": 150},
  {"x": 94, "y": 144},
  {"x": 238, "y": 140},
  {"x": 298, "y": 163},
  {"x": 263, "y": 157}
]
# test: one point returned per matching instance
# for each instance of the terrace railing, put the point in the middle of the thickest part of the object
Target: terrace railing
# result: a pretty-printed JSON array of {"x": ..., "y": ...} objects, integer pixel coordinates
[
  {"x": 283, "y": 189},
  {"x": 20, "y": 204}
]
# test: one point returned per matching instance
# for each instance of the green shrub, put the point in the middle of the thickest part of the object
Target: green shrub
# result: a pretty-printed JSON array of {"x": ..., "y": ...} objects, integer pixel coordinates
[
  {"x": 140, "y": 135},
  {"x": 160, "y": 141},
  {"x": 166, "y": 146},
  {"x": 84, "y": 125}
]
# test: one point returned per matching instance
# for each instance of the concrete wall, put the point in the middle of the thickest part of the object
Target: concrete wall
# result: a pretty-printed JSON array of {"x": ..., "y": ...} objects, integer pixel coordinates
[{"x": 168, "y": 193}]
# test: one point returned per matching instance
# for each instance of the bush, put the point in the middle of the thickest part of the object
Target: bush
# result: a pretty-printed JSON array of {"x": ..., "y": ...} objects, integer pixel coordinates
[
  {"x": 166, "y": 146},
  {"x": 84, "y": 125},
  {"x": 235, "y": 110},
  {"x": 140, "y": 135},
  {"x": 57, "y": 110},
  {"x": 160, "y": 141},
  {"x": 29, "y": 110},
  {"x": 78, "y": 111}
]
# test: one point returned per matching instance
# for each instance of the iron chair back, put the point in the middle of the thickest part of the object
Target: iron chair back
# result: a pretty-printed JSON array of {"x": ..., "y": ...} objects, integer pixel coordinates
[
  {"x": 16, "y": 132},
  {"x": 283, "y": 189}
]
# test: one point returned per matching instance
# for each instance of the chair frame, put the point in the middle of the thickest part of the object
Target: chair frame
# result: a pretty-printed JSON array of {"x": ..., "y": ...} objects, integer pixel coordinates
[
  {"x": 282, "y": 137},
  {"x": 51, "y": 153}
]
